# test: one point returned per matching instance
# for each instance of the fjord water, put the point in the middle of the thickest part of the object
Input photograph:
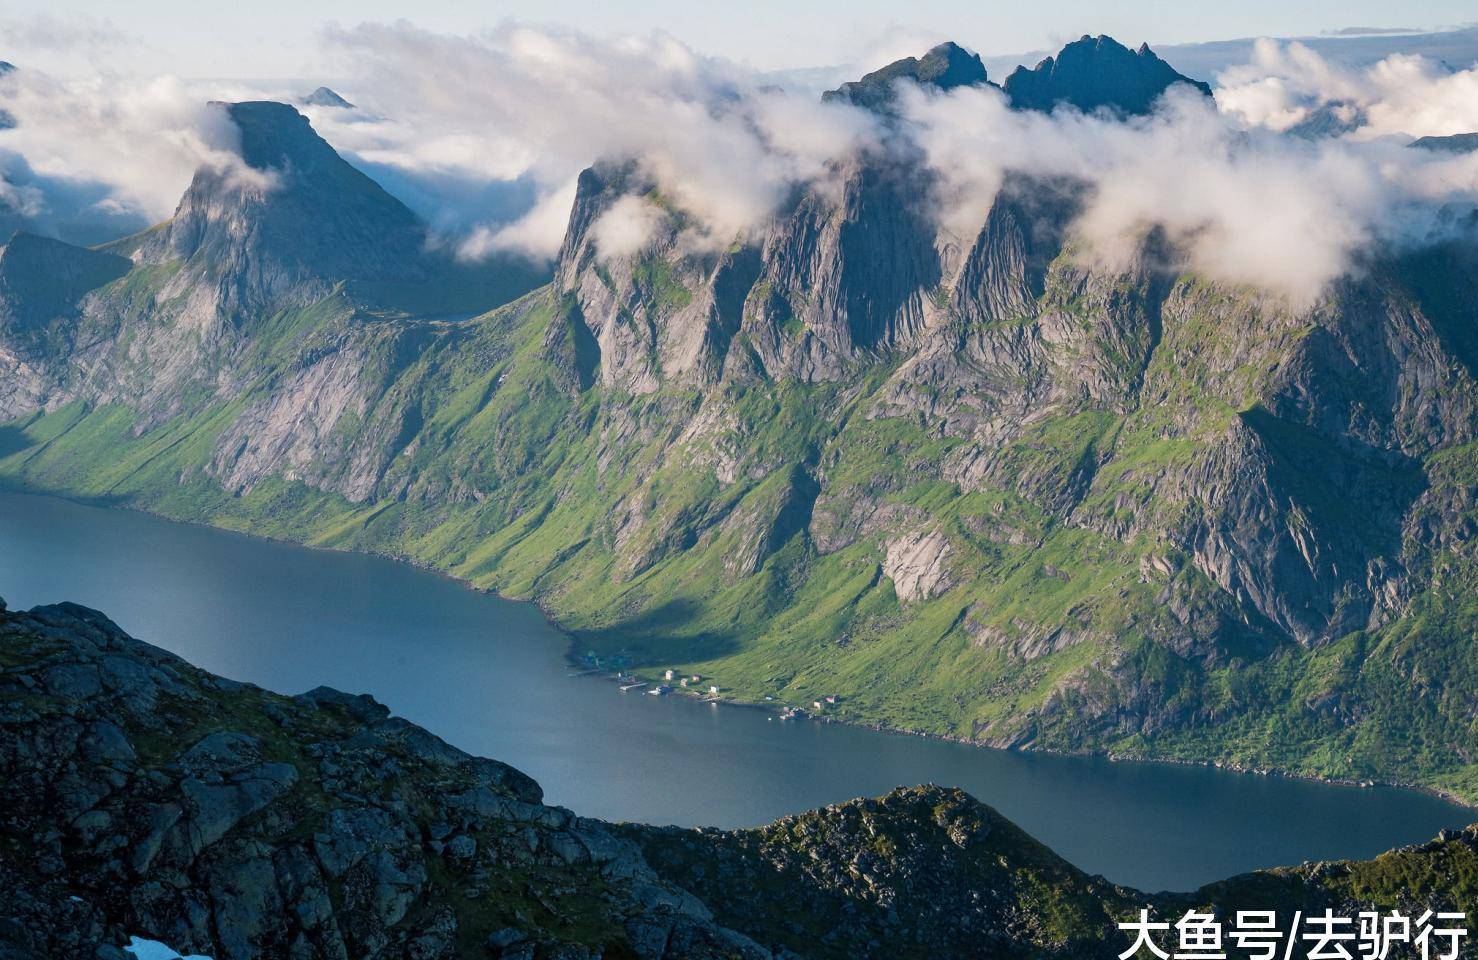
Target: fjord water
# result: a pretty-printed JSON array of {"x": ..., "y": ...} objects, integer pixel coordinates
[{"x": 489, "y": 676}]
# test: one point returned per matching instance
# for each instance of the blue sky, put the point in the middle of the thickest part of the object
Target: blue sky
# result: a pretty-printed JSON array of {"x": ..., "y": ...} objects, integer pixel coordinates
[{"x": 275, "y": 38}]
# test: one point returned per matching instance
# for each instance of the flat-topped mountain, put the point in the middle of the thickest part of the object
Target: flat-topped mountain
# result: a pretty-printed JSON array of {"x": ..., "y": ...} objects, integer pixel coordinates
[
  {"x": 1096, "y": 73},
  {"x": 146, "y": 797}
]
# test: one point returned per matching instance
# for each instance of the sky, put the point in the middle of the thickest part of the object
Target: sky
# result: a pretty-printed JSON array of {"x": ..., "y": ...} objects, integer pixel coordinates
[{"x": 278, "y": 38}]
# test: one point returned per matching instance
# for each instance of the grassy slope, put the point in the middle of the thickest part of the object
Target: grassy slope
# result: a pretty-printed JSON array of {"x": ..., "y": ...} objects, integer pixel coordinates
[{"x": 538, "y": 512}]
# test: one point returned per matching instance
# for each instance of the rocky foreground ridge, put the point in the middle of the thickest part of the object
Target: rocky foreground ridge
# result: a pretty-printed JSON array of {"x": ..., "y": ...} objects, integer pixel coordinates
[
  {"x": 146, "y": 797},
  {"x": 972, "y": 485}
]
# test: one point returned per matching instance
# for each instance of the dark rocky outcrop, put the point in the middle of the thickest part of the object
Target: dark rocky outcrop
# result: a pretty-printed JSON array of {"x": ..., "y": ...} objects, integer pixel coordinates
[
  {"x": 146, "y": 797},
  {"x": 1095, "y": 73}
]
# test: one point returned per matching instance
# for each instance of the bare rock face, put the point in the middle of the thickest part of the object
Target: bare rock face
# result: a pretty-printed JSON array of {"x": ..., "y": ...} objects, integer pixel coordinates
[
  {"x": 661, "y": 313},
  {"x": 1006, "y": 270},
  {"x": 43, "y": 283},
  {"x": 291, "y": 220},
  {"x": 848, "y": 277},
  {"x": 918, "y": 564}
]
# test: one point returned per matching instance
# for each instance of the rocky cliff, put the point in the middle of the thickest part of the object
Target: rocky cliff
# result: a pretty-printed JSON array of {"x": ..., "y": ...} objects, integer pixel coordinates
[
  {"x": 978, "y": 485},
  {"x": 148, "y": 798}
]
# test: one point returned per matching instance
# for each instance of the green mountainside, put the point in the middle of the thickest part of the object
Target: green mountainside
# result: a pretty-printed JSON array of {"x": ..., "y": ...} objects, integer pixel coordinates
[
  {"x": 148, "y": 798},
  {"x": 968, "y": 486}
]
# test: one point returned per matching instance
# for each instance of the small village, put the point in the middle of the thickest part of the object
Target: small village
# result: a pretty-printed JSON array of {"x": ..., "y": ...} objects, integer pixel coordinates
[{"x": 702, "y": 688}]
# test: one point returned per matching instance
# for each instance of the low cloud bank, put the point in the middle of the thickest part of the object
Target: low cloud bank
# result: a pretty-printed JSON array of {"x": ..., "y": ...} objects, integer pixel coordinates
[{"x": 485, "y": 135}]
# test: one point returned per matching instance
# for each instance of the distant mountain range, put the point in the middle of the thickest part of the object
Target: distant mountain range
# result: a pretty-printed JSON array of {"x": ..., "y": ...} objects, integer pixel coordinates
[
  {"x": 970, "y": 484},
  {"x": 1091, "y": 73},
  {"x": 1457, "y": 48}
]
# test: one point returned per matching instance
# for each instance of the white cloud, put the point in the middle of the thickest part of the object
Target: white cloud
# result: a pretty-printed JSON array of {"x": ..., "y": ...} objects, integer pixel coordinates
[
  {"x": 546, "y": 102},
  {"x": 1244, "y": 206},
  {"x": 1401, "y": 95},
  {"x": 626, "y": 227},
  {"x": 485, "y": 135},
  {"x": 142, "y": 139},
  {"x": 537, "y": 233}
]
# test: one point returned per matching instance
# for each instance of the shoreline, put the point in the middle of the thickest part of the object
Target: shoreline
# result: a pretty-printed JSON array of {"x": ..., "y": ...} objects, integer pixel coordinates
[
  {"x": 571, "y": 658},
  {"x": 1109, "y": 756}
]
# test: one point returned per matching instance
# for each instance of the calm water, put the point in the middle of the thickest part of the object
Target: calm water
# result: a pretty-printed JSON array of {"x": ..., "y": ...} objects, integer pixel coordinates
[{"x": 488, "y": 675}]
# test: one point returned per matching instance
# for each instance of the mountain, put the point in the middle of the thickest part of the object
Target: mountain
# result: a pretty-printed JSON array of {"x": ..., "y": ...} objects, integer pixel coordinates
[
  {"x": 42, "y": 284},
  {"x": 148, "y": 798},
  {"x": 972, "y": 484},
  {"x": 1093, "y": 73},
  {"x": 286, "y": 227},
  {"x": 42, "y": 280},
  {"x": 7, "y": 119},
  {"x": 1090, "y": 73},
  {"x": 291, "y": 222},
  {"x": 1332, "y": 119},
  {"x": 1456, "y": 143},
  {"x": 324, "y": 97},
  {"x": 944, "y": 67}
]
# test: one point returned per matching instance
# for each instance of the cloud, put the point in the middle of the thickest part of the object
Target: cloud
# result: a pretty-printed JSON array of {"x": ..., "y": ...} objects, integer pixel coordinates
[
  {"x": 133, "y": 142},
  {"x": 538, "y": 233},
  {"x": 44, "y": 32},
  {"x": 1245, "y": 206},
  {"x": 1401, "y": 95},
  {"x": 543, "y": 103},
  {"x": 626, "y": 227},
  {"x": 485, "y": 134}
]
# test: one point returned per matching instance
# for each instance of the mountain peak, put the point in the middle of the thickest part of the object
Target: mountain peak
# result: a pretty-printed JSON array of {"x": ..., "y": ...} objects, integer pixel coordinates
[
  {"x": 274, "y": 136},
  {"x": 326, "y": 97},
  {"x": 1453, "y": 143},
  {"x": 317, "y": 218},
  {"x": 1096, "y": 72},
  {"x": 944, "y": 67},
  {"x": 7, "y": 120}
]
